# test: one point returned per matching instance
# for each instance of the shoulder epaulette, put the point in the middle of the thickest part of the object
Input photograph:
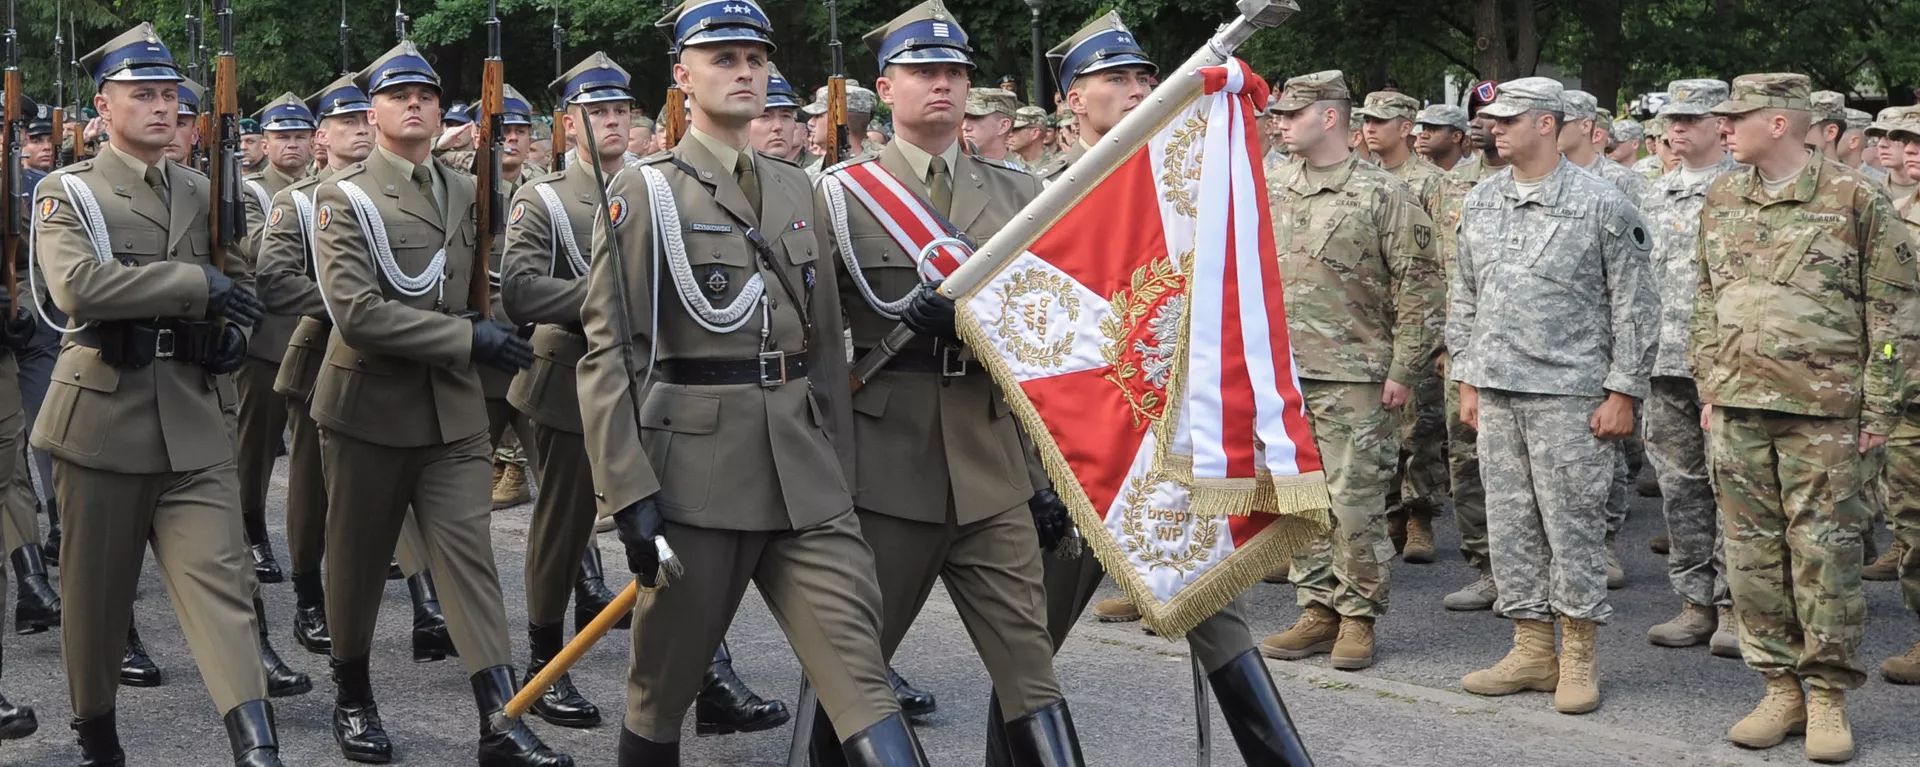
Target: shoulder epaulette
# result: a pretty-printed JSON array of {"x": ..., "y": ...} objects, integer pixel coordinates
[
  {"x": 258, "y": 175},
  {"x": 657, "y": 157},
  {"x": 1003, "y": 164},
  {"x": 864, "y": 158},
  {"x": 544, "y": 178}
]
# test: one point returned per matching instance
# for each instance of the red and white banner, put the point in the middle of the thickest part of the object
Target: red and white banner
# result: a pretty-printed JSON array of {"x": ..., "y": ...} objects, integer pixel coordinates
[
  {"x": 908, "y": 219},
  {"x": 1143, "y": 340}
]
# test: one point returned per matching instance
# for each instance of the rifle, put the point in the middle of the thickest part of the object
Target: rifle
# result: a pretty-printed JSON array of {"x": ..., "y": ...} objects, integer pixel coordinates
[
  {"x": 197, "y": 70},
  {"x": 841, "y": 146},
  {"x": 489, "y": 144},
  {"x": 13, "y": 224},
  {"x": 560, "y": 106},
  {"x": 80, "y": 147},
  {"x": 226, "y": 217},
  {"x": 399, "y": 23},
  {"x": 673, "y": 122},
  {"x": 346, "y": 66},
  {"x": 60, "y": 155}
]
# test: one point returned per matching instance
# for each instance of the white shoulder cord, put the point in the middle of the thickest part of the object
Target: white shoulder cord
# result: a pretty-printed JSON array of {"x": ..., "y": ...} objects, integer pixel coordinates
[
  {"x": 303, "y": 208},
  {"x": 375, "y": 229},
  {"x": 562, "y": 232},
  {"x": 837, "y": 211},
  {"x": 666, "y": 233},
  {"x": 94, "y": 224},
  {"x": 261, "y": 197}
]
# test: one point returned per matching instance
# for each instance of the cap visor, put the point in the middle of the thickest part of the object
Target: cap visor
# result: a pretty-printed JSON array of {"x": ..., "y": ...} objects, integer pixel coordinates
[
  {"x": 1732, "y": 107},
  {"x": 1674, "y": 110},
  {"x": 1499, "y": 110},
  {"x": 602, "y": 94},
  {"x": 146, "y": 73},
  {"x": 728, "y": 34},
  {"x": 1904, "y": 133},
  {"x": 814, "y": 109}
]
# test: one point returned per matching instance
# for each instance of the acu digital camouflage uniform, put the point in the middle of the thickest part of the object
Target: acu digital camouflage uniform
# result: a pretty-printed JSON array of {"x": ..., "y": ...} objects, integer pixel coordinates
[
  {"x": 1365, "y": 288},
  {"x": 1801, "y": 327},
  {"x": 1678, "y": 447},
  {"x": 1422, "y": 463},
  {"x": 1548, "y": 312}
]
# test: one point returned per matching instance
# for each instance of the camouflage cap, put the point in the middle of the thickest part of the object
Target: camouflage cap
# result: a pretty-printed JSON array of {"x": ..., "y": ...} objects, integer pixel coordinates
[
  {"x": 1443, "y": 115},
  {"x": 1389, "y": 105},
  {"x": 1602, "y": 116},
  {"x": 985, "y": 101},
  {"x": 1627, "y": 130},
  {"x": 1828, "y": 106},
  {"x": 1512, "y": 99},
  {"x": 1772, "y": 90},
  {"x": 1579, "y": 105},
  {"x": 859, "y": 100},
  {"x": 1301, "y": 92},
  {"x": 1857, "y": 121},
  {"x": 1884, "y": 120},
  {"x": 1693, "y": 97},
  {"x": 1027, "y": 117},
  {"x": 1657, "y": 127},
  {"x": 1906, "y": 125}
]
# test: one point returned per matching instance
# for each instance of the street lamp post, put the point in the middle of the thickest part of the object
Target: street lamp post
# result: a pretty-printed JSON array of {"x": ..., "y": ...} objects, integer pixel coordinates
[{"x": 1039, "y": 88}]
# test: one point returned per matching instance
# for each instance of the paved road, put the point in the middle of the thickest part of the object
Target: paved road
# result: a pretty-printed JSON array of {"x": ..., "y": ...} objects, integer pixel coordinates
[{"x": 1131, "y": 693}]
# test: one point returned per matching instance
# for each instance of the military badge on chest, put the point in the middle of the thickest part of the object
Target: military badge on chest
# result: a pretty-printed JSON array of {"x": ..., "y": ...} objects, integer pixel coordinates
[{"x": 716, "y": 281}]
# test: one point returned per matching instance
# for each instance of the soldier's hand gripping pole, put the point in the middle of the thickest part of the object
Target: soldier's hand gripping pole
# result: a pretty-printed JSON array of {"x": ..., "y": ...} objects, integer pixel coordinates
[
  {"x": 670, "y": 566},
  {"x": 1175, "y": 91}
]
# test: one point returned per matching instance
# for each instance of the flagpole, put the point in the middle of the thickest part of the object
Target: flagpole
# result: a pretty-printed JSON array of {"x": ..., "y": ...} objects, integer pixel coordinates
[{"x": 1173, "y": 94}]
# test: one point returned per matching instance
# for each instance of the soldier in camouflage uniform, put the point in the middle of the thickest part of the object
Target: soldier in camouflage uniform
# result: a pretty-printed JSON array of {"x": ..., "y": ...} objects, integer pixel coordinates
[
  {"x": 1627, "y": 138},
  {"x": 1653, "y": 165},
  {"x": 1421, "y": 463},
  {"x": 1463, "y": 452},
  {"x": 1443, "y": 136},
  {"x": 1902, "y": 476},
  {"x": 1361, "y": 311},
  {"x": 989, "y": 123},
  {"x": 1028, "y": 140},
  {"x": 1794, "y": 395},
  {"x": 1829, "y": 124},
  {"x": 1583, "y": 114},
  {"x": 1675, "y": 442},
  {"x": 860, "y": 105},
  {"x": 1899, "y": 185},
  {"x": 1548, "y": 328}
]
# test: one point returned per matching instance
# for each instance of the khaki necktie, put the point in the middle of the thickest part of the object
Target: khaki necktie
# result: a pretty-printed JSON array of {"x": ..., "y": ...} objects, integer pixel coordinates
[
  {"x": 423, "y": 180},
  {"x": 158, "y": 180},
  {"x": 749, "y": 181},
  {"x": 940, "y": 185}
]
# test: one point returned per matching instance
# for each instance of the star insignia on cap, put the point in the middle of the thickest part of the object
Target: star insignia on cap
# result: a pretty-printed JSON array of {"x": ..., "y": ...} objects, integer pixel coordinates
[{"x": 733, "y": 9}]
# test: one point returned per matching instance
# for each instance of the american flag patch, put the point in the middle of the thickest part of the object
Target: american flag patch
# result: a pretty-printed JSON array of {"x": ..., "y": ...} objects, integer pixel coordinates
[{"x": 798, "y": 225}]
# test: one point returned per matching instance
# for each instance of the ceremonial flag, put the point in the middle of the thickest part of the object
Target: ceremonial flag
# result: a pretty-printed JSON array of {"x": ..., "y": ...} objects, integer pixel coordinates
[{"x": 1142, "y": 339}]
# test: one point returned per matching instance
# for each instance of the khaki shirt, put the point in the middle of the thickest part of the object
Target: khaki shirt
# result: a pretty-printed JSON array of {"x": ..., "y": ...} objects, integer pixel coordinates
[
  {"x": 1551, "y": 292},
  {"x": 539, "y": 285},
  {"x": 1806, "y": 303}
]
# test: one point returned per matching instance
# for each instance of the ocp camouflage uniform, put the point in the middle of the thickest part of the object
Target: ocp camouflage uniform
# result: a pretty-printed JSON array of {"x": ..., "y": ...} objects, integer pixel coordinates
[
  {"x": 1900, "y": 486},
  {"x": 1422, "y": 461},
  {"x": 1548, "y": 312},
  {"x": 1803, "y": 320},
  {"x": 1366, "y": 286},
  {"x": 1463, "y": 452},
  {"x": 1695, "y": 562}
]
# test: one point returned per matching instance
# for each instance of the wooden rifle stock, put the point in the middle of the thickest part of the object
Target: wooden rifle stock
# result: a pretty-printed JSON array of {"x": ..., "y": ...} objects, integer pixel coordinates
[
  {"x": 673, "y": 124},
  {"x": 487, "y": 141},
  {"x": 840, "y": 144}
]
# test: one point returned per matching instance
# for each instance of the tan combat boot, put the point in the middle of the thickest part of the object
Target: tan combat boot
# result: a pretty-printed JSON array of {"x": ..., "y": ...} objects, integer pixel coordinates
[
  {"x": 1903, "y": 668},
  {"x": 1726, "y": 639},
  {"x": 1478, "y": 595},
  {"x": 1314, "y": 633},
  {"x": 1530, "y": 665},
  {"x": 511, "y": 489},
  {"x": 1616, "y": 577},
  {"x": 1353, "y": 649},
  {"x": 1887, "y": 567},
  {"x": 1116, "y": 610},
  {"x": 1829, "y": 736},
  {"x": 1660, "y": 544},
  {"x": 1694, "y": 624},
  {"x": 1781, "y": 713},
  {"x": 1419, "y": 548},
  {"x": 1279, "y": 574},
  {"x": 1579, "y": 689}
]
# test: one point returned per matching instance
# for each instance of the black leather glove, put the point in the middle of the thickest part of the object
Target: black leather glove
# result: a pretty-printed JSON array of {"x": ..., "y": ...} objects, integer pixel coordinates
[
  {"x": 18, "y": 332},
  {"x": 498, "y": 344},
  {"x": 229, "y": 352},
  {"x": 637, "y": 525},
  {"x": 931, "y": 314},
  {"x": 1050, "y": 518},
  {"x": 230, "y": 301}
]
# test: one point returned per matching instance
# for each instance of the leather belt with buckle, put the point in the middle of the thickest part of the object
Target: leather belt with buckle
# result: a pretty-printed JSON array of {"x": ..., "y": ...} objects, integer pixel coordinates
[
  {"x": 944, "y": 360},
  {"x": 768, "y": 369}
]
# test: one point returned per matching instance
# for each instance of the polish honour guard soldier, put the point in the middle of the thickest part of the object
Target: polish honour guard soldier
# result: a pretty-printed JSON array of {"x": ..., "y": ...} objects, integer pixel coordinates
[
  {"x": 263, "y": 415},
  {"x": 399, "y": 405},
  {"x": 743, "y": 366},
  {"x": 285, "y": 274},
  {"x": 135, "y": 416},
  {"x": 39, "y": 606},
  {"x": 950, "y": 487},
  {"x": 1105, "y": 74}
]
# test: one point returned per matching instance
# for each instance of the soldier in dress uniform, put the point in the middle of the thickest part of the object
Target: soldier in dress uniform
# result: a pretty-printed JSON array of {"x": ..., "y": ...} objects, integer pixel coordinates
[
  {"x": 399, "y": 405},
  {"x": 950, "y": 487},
  {"x": 719, "y": 417},
  {"x": 773, "y": 129},
  {"x": 253, "y": 145},
  {"x": 135, "y": 416},
  {"x": 186, "y": 122},
  {"x": 39, "y": 605},
  {"x": 263, "y": 414},
  {"x": 286, "y": 279},
  {"x": 1104, "y": 74}
]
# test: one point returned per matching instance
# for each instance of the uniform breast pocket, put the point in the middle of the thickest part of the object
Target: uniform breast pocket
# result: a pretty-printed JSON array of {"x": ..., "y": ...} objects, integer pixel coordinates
[
  {"x": 721, "y": 263},
  {"x": 677, "y": 431},
  {"x": 889, "y": 269},
  {"x": 139, "y": 244},
  {"x": 1338, "y": 239}
]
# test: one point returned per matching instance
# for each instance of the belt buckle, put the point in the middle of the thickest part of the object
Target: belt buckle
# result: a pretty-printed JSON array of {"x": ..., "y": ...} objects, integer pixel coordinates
[
  {"x": 779, "y": 360},
  {"x": 951, "y": 365},
  {"x": 164, "y": 344}
]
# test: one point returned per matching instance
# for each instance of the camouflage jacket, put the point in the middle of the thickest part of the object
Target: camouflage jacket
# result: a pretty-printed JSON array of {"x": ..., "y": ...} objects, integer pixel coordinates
[
  {"x": 1806, "y": 303},
  {"x": 1649, "y": 167},
  {"x": 1427, "y": 179},
  {"x": 1446, "y": 221},
  {"x": 1363, "y": 285},
  {"x": 1671, "y": 208},
  {"x": 1631, "y": 184},
  {"x": 1551, "y": 293}
]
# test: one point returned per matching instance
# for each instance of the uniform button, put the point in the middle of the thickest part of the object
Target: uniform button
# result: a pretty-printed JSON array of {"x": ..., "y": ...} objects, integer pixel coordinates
[
  {"x": 666, "y": 422},
  {"x": 706, "y": 174},
  {"x": 886, "y": 257},
  {"x": 389, "y": 187},
  {"x": 76, "y": 376}
]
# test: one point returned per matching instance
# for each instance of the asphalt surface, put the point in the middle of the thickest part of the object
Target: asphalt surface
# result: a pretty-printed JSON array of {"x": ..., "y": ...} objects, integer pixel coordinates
[{"x": 1131, "y": 693}]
